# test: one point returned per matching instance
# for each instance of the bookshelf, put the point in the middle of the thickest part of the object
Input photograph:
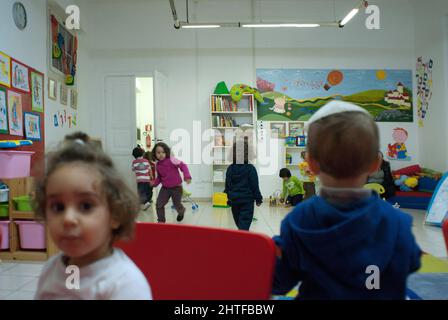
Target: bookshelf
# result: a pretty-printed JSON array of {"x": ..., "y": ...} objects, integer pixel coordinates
[{"x": 227, "y": 118}]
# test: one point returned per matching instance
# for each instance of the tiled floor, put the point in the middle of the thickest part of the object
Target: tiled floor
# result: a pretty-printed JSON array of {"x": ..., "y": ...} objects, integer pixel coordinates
[{"x": 18, "y": 280}]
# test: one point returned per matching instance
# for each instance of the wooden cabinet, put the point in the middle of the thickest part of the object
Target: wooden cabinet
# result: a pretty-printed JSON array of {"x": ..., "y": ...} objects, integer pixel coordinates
[{"x": 20, "y": 187}]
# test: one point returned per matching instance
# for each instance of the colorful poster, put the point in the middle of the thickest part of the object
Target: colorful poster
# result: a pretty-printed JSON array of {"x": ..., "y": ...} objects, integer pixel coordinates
[
  {"x": 15, "y": 113},
  {"x": 3, "y": 112},
  {"x": 32, "y": 126},
  {"x": 295, "y": 94},
  {"x": 37, "y": 92},
  {"x": 424, "y": 88},
  {"x": 398, "y": 150},
  {"x": 5, "y": 69},
  {"x": 20, "y": 77}
]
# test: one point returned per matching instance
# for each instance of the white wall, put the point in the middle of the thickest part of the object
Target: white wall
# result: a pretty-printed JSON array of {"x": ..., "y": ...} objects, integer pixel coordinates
[
  {"x": 30, "y": 47},
  {"x": 138, "y": 36},
  {"x": 431, "y": 40}
]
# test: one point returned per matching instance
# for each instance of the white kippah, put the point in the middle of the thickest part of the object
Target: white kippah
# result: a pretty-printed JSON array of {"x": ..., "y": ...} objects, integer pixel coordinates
[
  {"x": 334, "y": 107},
  {"x": 79, "y": 141}
]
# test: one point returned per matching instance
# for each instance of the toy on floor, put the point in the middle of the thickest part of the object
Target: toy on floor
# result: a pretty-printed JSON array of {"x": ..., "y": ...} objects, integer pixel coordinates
[
  {"x": 375, "y": 187},
  {"x": 406, "y": 183},
  {"x": 220, "y": 200},
  {"x": 275, "y": 200},
  {"x": 15, "y": 143},
  {"x": 187, "y": 197}
]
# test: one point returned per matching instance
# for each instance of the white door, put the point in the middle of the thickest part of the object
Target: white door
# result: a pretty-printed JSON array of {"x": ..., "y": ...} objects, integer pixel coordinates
[
  {"x": 161, "y": 132},
  {"x": 121, "y": 130}
]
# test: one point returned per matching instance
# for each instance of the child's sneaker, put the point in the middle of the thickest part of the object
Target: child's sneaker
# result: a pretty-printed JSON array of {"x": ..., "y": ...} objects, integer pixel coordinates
[
  {"x": 180, "y": 217},
  {"x": 146, "y": 206}
]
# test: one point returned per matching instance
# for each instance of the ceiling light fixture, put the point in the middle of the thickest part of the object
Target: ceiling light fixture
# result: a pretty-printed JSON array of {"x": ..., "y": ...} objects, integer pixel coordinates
[
  {"x": 280, "y": 25},
  {"x": 214, "y": 25}
]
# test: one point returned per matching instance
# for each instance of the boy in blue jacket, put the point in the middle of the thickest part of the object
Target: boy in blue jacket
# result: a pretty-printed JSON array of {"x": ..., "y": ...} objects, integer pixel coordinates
[
  {"x": 346, "y": 243},
  {"x": 242, "y": 187}
]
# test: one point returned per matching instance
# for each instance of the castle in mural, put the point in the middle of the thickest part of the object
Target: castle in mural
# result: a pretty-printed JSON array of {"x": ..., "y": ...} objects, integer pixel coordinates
[
  {"x": 295, "y": 94},
  {"x": 398, "y": 97}
]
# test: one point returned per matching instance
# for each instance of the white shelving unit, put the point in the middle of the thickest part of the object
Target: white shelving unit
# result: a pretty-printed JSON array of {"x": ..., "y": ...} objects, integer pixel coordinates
[
  {"x": 227, "y": 117},
  {"x": 294, "y": 151}
]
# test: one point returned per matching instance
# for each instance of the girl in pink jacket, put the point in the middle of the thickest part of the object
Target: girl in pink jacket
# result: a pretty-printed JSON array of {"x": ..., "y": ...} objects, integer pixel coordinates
[{"x": 167, "y": 168}]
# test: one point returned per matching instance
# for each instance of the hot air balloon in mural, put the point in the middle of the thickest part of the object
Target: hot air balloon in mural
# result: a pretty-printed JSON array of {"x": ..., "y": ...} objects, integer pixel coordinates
[{"x": 334, "y": 78}]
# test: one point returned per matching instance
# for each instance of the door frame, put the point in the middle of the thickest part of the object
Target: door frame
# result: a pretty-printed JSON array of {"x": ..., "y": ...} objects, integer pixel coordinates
[{"x": 135, "y": 74}]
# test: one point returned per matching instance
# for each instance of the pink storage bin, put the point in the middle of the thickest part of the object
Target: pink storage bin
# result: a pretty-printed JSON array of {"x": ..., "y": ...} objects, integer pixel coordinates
[
  {"x": 4, "y": 231},
  {"x": 32, "y": 235},
  {"x": 15, "y": 164}
]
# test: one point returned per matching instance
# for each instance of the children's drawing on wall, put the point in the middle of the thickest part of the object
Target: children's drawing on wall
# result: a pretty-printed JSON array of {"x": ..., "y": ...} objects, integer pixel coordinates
[
  {"x": 3, "y": 112},
  {"x": 64, "y": 118},
  {"x": 5, "y": 67},
  {"x": 20, "y": 78},
  {"x": 398, "y": 150},
  {"x": 296, "y": 94},
  {"x": 15, "y": 113},
  {"x": 32, "y": 126},
  {"x": 37, "y": 92},
  {"x": 424, "y": 87}
]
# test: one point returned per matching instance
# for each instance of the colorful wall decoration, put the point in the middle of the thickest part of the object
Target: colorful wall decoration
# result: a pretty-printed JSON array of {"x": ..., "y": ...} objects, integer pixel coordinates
[
  {"x": 20, "y": 77},
  {"x": 21, "y": 91},
  {"x": 295, "y": 94},
  {"x": 32, "y": 126},
  {"x": 63, "y": 118},
  {"x": 5, "y": 69},
  {"x": 37, "y": 92},
  {"x": 424, "y": 87},
  {"x": 398, "y": 150}
]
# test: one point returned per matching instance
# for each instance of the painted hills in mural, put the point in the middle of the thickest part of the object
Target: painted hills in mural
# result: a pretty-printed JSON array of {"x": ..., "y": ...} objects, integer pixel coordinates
[{"x": 294, "y": 95}]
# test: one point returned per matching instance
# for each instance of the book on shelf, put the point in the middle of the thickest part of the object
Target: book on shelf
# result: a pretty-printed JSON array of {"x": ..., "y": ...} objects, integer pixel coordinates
[
  {"x": 223, "y": 121},
  {"x": 226, "y": 104}
]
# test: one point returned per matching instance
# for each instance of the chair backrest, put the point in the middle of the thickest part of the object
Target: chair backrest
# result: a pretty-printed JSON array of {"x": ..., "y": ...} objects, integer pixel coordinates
[
  {"x": 445, "y": 232},
  {"x": 199, "y": 263}
]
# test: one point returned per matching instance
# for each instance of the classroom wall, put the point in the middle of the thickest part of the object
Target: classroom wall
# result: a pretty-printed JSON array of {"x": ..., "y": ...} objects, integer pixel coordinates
[
  {"x": 30, "y": 47},
  {"x": 431, "y": 41},
  {"x": 138, "y": 36}
]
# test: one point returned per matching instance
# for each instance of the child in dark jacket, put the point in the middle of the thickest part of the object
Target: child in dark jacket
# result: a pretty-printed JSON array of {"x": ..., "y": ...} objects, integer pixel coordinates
[
  {"x": 242, "y": 188},
  {"x": 346, "y": 243}
]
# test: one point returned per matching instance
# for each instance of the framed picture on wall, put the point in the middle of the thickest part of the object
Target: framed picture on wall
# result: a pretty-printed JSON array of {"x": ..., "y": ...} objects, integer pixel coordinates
[
  {"x": 52, "y": 89},
  {"x": 296, "y": 129},
  {"x": 3, "y": 112},
  {"x": 20, "y": 76},
  {"x": 278, "y": 130},
  {"x": 37, "y": 91},
  {"x": 15, "y": 115},
  {"x": 32, "y": 126},
  {"x": 64, "y": 94},
  {"x": 5, "y": 70},
  {"x": 74, "y": 99}
]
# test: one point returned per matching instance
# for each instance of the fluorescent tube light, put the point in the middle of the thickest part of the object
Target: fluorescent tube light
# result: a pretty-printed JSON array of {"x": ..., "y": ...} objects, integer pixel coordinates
[
  {"x": 200, "y": 26},
  {"x": 349, "y": 16},
  {"x": 280, "y": 25}
]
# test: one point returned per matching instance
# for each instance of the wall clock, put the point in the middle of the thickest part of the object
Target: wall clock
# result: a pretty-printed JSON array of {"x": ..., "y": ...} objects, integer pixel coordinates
[{"x": 19, "y": 15}]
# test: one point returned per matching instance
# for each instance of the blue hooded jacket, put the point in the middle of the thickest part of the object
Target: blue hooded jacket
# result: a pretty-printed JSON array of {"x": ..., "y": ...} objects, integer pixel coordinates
[
  {"x": 242, "y": 184},
  {"x": 329, "y": 250}
]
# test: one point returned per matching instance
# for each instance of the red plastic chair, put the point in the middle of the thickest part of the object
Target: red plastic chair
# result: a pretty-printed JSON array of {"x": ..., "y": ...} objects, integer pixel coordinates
[
  {"x": 200, "y": 263},
  {"x": 445, "y": 232}
]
